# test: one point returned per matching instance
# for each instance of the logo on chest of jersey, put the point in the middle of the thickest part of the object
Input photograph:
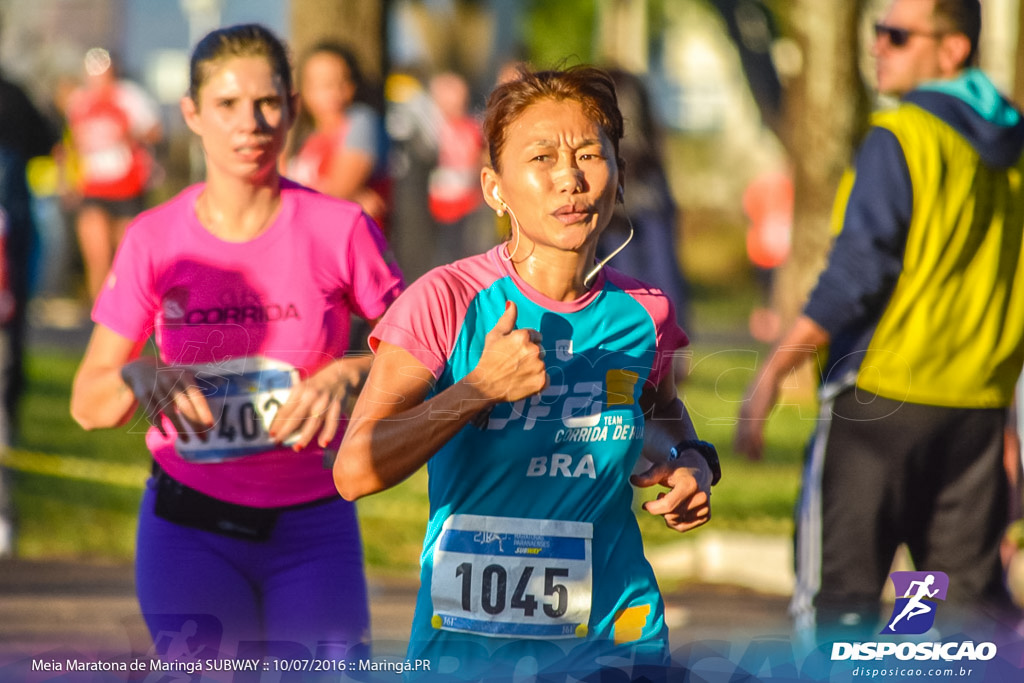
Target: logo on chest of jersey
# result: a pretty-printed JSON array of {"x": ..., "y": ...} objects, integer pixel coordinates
[
  {"x": 586, "y": 411},
  {"x": 613, "y": 429},
  {"x": 175, "y": 311},
  {"x": 563, "y": 350}
]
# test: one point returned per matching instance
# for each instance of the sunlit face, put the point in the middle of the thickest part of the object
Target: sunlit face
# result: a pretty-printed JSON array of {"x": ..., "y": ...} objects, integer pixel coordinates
[
  {"x": 900, "y": 69},
  {"x": 242, "y": 117},
  {"x": 559, "y": 176},
  {"x": 327, "y": 86}
]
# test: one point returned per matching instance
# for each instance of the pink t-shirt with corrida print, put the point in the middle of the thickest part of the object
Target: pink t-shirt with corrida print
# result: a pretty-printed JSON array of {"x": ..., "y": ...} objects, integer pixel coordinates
[{"x": 286, "y": 296}]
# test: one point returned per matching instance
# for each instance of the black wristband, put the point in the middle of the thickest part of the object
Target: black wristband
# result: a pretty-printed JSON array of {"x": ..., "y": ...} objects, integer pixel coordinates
[{"x": 706, "y": 450}]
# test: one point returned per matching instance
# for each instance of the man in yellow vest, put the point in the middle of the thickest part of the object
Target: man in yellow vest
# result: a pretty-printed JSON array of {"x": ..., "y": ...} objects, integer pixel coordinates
[{"x": 921, "y": 308}]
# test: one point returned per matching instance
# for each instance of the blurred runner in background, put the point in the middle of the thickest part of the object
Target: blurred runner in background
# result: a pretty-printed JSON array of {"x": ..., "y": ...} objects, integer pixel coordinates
[
  {"x": 338, "y": 143},
  {"x": 113, "y": 123},
  {"x": 454, "y": 187},
  {"x": 768, "y": 203}
]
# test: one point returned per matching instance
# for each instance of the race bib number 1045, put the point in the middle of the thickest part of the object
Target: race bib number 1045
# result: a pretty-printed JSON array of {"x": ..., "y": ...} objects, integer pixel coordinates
[{"x": 511, "y": 577}]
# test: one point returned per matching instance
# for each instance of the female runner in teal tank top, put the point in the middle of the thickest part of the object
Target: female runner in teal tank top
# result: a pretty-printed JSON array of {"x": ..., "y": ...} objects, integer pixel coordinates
[{"x": 529, "y": 380}]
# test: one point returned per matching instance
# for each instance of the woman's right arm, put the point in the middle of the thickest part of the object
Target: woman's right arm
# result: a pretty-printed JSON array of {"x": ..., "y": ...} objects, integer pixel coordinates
[
  {"x": 394, "y": 431},
  {"x": 112, "y": 380},
  {"x": 100, "y": 398}
]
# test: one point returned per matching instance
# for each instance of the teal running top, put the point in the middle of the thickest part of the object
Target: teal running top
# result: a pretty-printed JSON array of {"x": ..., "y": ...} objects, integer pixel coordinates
[{"x": 532, "y": 549}]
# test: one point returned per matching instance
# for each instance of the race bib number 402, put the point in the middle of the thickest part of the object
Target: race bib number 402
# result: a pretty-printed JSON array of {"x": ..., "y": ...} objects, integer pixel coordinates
[
  {"x": 511, "y": 577},
  {"x": 244, "y": 395}
]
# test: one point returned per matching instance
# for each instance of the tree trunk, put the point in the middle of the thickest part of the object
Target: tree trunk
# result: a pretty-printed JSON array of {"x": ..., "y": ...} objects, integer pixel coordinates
[
  {"x": 622, "y": 35},
  {"x": 356, "y": 23},
  {"x": 825, "y": 113}
]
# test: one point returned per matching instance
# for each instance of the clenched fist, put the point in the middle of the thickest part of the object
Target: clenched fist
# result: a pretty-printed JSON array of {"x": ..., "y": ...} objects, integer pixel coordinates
[{"x": 511, "y": 366}]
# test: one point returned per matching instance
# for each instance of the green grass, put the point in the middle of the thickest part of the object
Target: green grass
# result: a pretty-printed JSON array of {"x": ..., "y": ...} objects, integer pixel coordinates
[
  {"x": 62, "y": 512},
  {"x": 752, "y": 496},
  {"x": 77, "y": 492}
]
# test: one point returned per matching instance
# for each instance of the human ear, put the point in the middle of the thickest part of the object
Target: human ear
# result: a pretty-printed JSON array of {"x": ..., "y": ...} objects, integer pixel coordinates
[
  {"x": 953, "y": 52},
  {"x": 190, "y": 112},
  {"x": 492, "y": 193},
  {"x": 294, "y": 102}
]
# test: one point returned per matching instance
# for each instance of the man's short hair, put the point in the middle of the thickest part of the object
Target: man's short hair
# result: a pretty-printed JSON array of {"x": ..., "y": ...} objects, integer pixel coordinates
[{"x": 962, "y": 16}]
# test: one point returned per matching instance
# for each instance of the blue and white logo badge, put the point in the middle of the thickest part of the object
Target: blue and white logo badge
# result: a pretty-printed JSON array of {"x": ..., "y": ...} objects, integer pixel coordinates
[
  {"x": 917, "y": 594},
  {"x": 563, "y": 350}
]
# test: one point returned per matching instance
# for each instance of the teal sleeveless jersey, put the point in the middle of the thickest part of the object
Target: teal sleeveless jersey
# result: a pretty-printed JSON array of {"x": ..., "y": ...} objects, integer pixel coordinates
[{"x": 532, "y": 549}]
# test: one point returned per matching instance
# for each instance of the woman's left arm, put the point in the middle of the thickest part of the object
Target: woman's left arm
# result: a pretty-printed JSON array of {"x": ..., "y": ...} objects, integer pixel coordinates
[
  {"x": 316, "y": 404},
  {"x": 687, "y": 474}
]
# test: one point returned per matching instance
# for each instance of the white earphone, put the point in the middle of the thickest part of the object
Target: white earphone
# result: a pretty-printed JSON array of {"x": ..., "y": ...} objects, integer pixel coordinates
[
  {"x": 502, "y": 206},
  {"x": 515, "y": 223},
  {"x": 620, "y": 197}
]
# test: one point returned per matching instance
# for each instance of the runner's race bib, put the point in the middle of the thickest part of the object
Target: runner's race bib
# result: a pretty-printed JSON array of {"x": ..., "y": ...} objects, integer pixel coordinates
[
  {"x": 244, "y": 395},
  {"x": 109, "y": 164},
  {"x": 511, "y": 577}
]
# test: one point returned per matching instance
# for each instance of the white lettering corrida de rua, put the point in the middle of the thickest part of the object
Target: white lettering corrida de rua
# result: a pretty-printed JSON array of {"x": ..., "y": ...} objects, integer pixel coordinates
[{"x": 620, "y": 432}]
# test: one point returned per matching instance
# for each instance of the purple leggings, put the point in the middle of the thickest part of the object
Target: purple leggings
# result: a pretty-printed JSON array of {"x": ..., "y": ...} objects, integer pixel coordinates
[{"x": 304, "y": 586}]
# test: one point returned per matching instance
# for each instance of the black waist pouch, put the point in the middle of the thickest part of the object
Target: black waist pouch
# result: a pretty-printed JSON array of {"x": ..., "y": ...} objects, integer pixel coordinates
[{"x": 183, "y": 505}]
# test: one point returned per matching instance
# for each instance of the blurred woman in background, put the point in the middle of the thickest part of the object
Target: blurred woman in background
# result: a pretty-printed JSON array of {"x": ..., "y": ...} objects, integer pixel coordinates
[{"x": 338, "y": 144}]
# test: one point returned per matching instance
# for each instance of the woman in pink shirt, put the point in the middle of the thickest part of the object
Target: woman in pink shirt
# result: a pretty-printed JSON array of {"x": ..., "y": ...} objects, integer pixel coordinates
[{"x": 246, "y": 283}]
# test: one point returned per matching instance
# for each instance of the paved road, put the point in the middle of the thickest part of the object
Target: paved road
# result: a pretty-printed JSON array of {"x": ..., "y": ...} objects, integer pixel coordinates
[
  {"x": 65, "y": 608},
  {"x": 92, "y": 608}
]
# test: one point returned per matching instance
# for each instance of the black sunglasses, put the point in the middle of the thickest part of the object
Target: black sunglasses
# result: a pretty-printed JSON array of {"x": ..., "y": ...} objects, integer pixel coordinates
[{"x": 898, "y": 37}]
